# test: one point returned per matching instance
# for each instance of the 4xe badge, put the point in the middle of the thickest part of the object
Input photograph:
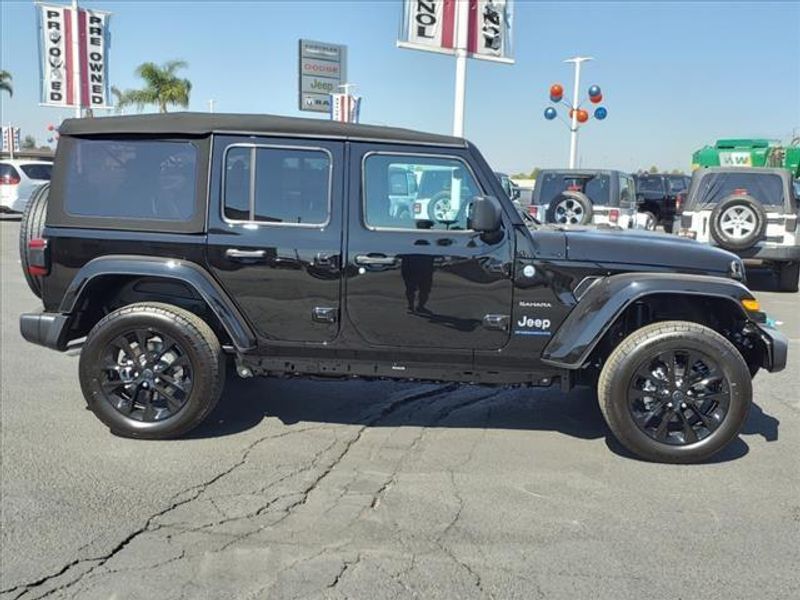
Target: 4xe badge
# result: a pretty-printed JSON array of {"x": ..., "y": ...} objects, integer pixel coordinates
[{"x": 532, "y": 326}]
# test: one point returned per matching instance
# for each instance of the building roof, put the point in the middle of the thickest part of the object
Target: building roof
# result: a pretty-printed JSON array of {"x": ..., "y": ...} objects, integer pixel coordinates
[{"x": 201, "y": 124}]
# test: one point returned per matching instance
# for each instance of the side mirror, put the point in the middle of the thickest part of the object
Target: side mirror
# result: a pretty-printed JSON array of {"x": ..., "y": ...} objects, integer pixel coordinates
[
  {"x": 486, "y": 214},
  {"x": 639, "y": 198}
]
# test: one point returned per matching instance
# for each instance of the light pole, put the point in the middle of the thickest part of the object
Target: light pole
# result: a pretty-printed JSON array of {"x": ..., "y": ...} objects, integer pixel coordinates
[{"x": 577, "y": 115}]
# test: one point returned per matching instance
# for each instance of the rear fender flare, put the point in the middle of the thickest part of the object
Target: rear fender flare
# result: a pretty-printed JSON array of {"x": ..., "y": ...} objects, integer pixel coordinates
[
  {"x": 607, "y": 299},
  {"x": 187, "y": 272}
]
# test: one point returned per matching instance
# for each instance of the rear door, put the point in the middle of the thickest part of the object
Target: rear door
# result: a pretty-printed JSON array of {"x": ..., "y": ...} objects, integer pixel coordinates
[
  {"x": 416, "y": 283},
  {"x": 275, "y": 233}
]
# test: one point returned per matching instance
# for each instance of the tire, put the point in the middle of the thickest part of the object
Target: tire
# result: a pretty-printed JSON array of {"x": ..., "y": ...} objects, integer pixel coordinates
[
  {"x": 31, "y": 226},
  {"x": 573, "y": 202},
  {"x": 195, "y": 396},
  {"x": 442, "y": 198},
  {"x": 652, "y": 221},
  {"x": 748, "y": 205},
  {"x": 681, "y": 441},
  {"x": 788, "y": 276},
  {"x": 669, "y": 226}
]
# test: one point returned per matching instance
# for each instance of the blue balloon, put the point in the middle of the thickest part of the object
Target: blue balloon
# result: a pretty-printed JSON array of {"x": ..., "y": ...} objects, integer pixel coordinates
[
  {"x": 549, "y": 113},
  {"x": 49, "y": 140},
  {"x": 594, "y": 90},
  {"x": 600, "y": 113}
]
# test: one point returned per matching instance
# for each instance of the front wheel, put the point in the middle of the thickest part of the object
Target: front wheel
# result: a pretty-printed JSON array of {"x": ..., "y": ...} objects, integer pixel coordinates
[
  {"x": 151, "y": 370},
  {"x": 675, "y": 392}
]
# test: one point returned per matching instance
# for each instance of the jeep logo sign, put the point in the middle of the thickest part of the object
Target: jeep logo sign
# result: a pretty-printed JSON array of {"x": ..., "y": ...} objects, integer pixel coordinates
[
  {"x": 322, "y": 69},
  {"x": 73, "y": 74}
]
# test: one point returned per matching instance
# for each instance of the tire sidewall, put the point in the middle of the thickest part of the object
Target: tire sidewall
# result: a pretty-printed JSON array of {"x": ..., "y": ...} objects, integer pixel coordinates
[
  {"x": 737, "y": 244},
  {"x": 203, "y": 384},
  {"x": 578, "y": 197},
  {"x": 733, "y": 367}
]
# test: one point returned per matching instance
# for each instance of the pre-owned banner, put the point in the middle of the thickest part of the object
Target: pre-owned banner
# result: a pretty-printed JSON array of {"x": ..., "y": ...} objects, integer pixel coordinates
[
  {"x": 433, "y": 25},
  {"x": 74, "y": 70},
  {"x": 345, "y": 108},
  {"x": 10, "y": 136}
]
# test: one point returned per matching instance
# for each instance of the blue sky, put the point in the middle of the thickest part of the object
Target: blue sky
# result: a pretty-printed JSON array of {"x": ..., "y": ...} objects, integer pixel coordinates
[{"x": 670, "y": 79}]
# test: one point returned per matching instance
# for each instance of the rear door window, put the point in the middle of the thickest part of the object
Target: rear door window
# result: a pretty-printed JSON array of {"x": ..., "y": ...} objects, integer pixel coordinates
[
  {"x": 131, "y": 179},
  {"x": 596, "y": 187},
  {"x": 37, "y": 171},
  {"x": 767, "y": 189}
]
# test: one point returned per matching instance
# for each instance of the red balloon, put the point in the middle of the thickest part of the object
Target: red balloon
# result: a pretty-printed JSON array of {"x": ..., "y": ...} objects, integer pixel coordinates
[
  {"x": 583, "y": 116},
  {"x": 50, "y": 128},
  {"x": 556, "y": 90},
  {"x": 596, "y": 99}
]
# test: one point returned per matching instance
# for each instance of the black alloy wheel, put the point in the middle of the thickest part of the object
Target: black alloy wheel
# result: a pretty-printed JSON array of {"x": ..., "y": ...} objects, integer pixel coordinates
[
  {"x": 679, "y": 397},
  {"x": 145, "y": 375}
]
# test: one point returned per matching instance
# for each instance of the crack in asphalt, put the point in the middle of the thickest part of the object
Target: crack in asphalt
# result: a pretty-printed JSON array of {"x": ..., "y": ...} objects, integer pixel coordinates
[{"x": 346, "y": 566}]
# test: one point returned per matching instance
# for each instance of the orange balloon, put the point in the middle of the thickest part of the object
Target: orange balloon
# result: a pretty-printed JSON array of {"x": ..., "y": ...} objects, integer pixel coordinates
[
  {"x": 597, "y": 99},
  {"x": 556, "y": 90},
  {"x": 583, "y": 116}
]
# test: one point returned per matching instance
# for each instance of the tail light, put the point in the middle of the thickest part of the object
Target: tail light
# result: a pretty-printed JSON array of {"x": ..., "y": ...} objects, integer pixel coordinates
[
  {"x": 678, "y": 202},
  {"x": 417, "y": 208},
  {"x": 740, "y": 191},
  {"x": 613, "y": 216},
  {"x": 9, "y": 179},
  {"x": 38, "y": 257},
  {"x": 533, "y": 211}
]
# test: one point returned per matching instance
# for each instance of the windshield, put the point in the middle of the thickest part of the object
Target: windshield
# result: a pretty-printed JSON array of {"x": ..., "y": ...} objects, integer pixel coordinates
[
  {"x": 594, "y": 186},
  {"x": 37, "y": 170},
  {"x": 765, "y": 188}
]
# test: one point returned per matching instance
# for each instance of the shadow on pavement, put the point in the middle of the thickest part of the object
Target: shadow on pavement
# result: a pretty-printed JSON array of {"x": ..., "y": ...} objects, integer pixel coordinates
[{"x": 247, "y": 402}]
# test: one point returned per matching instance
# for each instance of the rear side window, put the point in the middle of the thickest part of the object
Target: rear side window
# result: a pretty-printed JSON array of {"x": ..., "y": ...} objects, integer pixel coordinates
[
  {"x": 131, "y": 179},
  {"x": 37, "y": 171},
  {"x": 289, "y": 186},
  {"x": 766, "y": 189},
  {"x": 8, "y": 173}
]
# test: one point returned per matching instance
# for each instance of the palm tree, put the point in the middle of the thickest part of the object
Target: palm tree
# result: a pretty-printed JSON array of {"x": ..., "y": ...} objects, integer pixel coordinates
[
  {"x": 162, "y": 87},
  {"x": 5, "y": 82}
]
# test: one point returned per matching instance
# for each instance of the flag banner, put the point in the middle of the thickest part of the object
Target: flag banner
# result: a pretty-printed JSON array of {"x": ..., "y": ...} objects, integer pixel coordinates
[
  {"x": 11, "y": 139},
  {"x": 345, "y": 108},
  {"x": 73, "y": 71},
  {"x": 432, "y": 25}
]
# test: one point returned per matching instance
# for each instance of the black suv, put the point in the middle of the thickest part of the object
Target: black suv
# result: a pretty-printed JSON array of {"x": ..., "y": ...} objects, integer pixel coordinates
[
  {"x": 179, "y": 244},
  {"x": 661, "y": 197}
]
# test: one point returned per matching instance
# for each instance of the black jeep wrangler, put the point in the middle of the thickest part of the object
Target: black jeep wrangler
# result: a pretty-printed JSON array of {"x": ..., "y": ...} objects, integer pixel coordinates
[{"x": 175, "y": 245}]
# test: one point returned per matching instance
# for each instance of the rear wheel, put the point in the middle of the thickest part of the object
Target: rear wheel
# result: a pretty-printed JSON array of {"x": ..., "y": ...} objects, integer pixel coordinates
[
  {"x": 31, "y": 226},
  {"x": 151, "y": 370},
  {"x": 675, "y": 392},
  {"x": 788, "y": 276}
]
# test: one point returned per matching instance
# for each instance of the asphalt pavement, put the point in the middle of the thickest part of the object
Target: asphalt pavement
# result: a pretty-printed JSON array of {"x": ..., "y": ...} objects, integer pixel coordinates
[{"x": 312, "y": 489}]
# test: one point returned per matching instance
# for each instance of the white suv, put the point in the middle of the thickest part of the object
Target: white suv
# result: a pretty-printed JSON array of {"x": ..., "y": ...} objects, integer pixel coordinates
[
  {"x": 18, "y": 180},
  {"x": 752, "y": 212}
]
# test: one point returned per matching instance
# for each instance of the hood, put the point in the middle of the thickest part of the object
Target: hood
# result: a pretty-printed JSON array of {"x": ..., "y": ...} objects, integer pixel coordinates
[{"x": 648, "y": 249}]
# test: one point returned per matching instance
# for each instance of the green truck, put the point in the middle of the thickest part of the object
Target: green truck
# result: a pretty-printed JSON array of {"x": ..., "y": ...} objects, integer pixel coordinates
[{"x": 750, "y": 153}]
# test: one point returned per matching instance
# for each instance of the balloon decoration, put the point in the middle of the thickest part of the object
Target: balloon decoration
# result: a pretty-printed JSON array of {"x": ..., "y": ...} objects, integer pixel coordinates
[
  {"x": 51, "y": 127},
  {"x": 579, "y": 114},
  {"x": 49, "y": 140}
]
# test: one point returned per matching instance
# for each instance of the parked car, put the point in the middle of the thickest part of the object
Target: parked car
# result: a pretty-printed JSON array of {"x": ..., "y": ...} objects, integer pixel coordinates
[
  {"x": 583, "y": 197},
  {"x": 752, "y": 212},
  {"x": 18, "y": 180},
  {"x": 179, "y": 244},
  {"x": 443, "y": 194},
  {"x": 661, "y": 197}
]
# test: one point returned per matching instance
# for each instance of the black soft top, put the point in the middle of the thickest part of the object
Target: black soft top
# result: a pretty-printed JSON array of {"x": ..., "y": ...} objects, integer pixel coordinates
[{"x": 201, "y": 124}]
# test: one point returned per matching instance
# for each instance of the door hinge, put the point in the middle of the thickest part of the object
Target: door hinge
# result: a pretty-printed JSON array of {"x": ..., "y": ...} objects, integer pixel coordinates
[
  {"x": 324, "y": 314},
  {"x": 498, "y": 322}
]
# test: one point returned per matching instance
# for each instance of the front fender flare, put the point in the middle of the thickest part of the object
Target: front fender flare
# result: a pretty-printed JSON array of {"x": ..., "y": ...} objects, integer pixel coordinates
[
  {"x": 169, "y": 268},
  {"x": 599, "y": 308}
]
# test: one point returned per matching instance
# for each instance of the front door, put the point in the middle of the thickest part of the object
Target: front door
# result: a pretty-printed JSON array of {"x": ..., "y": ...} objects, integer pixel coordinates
[
  {"x": 421, "y": 278},
  {"x": 275, "y": 233}
]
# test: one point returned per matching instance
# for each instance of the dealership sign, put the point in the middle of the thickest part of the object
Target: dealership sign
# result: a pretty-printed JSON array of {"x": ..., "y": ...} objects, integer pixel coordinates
[
  {"x": 433, "y": 25},
  {"x": 322, "y": 69},
  {"x": 73, "y": 56}
]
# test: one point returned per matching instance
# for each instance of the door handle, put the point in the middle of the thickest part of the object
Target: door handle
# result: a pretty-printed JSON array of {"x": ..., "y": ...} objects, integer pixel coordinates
[
  {"x": 236, "y": 253},
  {"x": 375, "y": 259}
]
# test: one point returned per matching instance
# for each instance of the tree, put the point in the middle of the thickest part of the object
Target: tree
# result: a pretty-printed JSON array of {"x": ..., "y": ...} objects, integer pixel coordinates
[
  {"x": 29, "y": 143},
  {"x": 5, "y": 82},
  {"x": 161, "y": 87},
  {"x": 678, "y": 172},
  {"x": 653, "y": 169}
]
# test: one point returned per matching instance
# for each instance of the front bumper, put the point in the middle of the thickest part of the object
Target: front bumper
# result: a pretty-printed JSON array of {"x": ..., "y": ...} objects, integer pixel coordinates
[
  {"x": 45, "y": 329},
  {"x": 776, "y": 347}
]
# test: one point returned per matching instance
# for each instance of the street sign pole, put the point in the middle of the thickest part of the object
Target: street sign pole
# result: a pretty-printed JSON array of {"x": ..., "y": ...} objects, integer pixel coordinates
[
  {"x": 573, "y": 136},
  {"x": 76, "y": 62},
  {"x": 462, "y": 29}
]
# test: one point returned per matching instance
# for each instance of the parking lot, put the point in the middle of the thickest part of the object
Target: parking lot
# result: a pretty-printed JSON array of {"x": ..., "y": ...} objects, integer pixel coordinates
[{"x": 383, "y": 490}]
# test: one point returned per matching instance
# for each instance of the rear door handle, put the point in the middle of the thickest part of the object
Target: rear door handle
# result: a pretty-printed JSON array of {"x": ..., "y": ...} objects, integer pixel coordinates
[
  {"x": 375, "y": 259},
  {"x": 236, "y": 253}
]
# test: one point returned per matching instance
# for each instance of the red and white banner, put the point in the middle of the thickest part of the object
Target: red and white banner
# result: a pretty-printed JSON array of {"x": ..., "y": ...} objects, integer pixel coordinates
[
  {"x": 434, "y": 25},
  {"x": 345, "y": 108},
  {"x": 73, "y": 51},
  {"x": 10, "y": 139}
]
